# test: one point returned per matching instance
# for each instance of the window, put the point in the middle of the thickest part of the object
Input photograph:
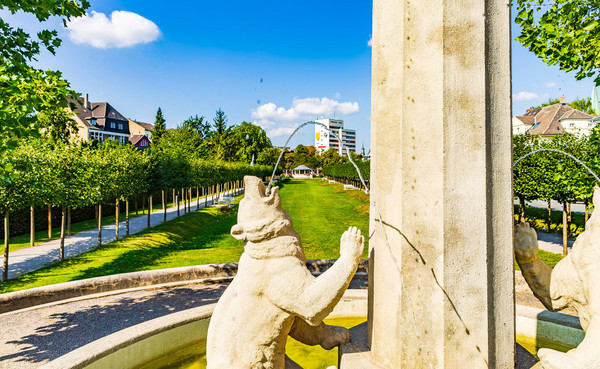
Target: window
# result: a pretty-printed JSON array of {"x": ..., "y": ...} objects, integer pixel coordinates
[
  {"x": 93, "y": 122},
  {"x": 120, "y": 125},
  {"x": 112, "y": 125},
  {"x": 94, "y": 135},
  {"x": 572, "y": 125}
]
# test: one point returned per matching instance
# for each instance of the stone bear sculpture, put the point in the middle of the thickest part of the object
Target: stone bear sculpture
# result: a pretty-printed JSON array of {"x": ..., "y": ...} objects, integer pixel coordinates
[
  {"x": 574, "y": 282},
  {"x": 273, "y": 293}
]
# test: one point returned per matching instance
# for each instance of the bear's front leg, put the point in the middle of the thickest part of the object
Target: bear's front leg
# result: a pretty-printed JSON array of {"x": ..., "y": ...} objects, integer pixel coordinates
[{"x": 328, "y": 336}]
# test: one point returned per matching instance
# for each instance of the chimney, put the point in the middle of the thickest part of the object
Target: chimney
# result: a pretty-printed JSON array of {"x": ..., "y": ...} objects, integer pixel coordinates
[
  {"x": 85, "y": 101},
  {"x": 563, "y": 100}
]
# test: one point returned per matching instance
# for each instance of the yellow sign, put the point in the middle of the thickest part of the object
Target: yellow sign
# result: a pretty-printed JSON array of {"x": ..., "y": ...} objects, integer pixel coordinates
[{"x": 318, "y": 135}]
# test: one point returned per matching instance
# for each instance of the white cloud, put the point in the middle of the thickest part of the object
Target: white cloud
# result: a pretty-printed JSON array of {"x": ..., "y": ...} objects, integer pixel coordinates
[
  {"x": 121, "y": 29},
  {"x": 276, "y": 120},
  {"x": 370, "y": 43},
  {"x": 281, "y": 131},
  {"x": 525, "y": 96},
  {"x": 549, "y": 84}
]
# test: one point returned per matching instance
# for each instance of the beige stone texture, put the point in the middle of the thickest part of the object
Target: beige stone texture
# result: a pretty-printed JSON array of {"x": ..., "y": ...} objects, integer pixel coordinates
[
  {"x": 441, "y": 275},
  {"x": 572, "y": 283},
  {"x": 273, "y": 293}
]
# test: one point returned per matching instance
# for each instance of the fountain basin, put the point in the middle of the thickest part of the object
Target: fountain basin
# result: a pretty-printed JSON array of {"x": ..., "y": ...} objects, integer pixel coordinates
[{"x": 141, "y": 345}]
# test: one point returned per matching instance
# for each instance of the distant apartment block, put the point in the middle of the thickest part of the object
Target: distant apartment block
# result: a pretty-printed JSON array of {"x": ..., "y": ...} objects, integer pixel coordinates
[{"x": 324, "y": 140}]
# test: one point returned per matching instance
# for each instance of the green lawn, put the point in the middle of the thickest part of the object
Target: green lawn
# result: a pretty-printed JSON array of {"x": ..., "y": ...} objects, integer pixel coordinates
[
  {"x": 320, "y": 215},
  {"x": 538, "y": 219}
]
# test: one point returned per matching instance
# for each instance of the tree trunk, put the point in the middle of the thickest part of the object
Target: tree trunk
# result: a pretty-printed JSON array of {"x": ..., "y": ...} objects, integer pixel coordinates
[
  {"x": 49, "y": 222},
  {"x": 149, "y": 209},
  {"x": 587, "y": 210},
  {"x": 31, "y": 226},
  {"x": 183, "y": 199},
  {"x": 197, "y": 198},
  {"x": 143, "y": 205},
  {"x": 135, "y": 203},
  {"x": 549, "y": 215},
  {"x": 5, "y": 266},
  {"x": 569, "y": 219},
  {"x": 177, "y": 203},
  {"x": 521, "y": 209},
  {"x": 174, "y": 194},
  {"x": 99, "y": 224},
  {"x": 126, "y": 218},
  {"x": 69, "y": 221},
  {"x": 190, "y": 198},
  {"x": 164, "y": 207},
  {"x": 63, "y": 224},
  {"x": 205, "y": 193},
  {"x": 117, "y": 219},
  {"x": 565, "y": 234}
]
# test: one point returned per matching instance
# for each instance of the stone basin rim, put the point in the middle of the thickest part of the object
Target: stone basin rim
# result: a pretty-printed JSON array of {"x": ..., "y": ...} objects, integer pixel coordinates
[
  {"x": 96, "y": 350},
  {"x": 126, "y": 282}
]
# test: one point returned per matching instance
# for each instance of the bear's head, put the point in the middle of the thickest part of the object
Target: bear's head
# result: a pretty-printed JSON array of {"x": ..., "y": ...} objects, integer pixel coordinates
[{"x": 260, "y": 216}]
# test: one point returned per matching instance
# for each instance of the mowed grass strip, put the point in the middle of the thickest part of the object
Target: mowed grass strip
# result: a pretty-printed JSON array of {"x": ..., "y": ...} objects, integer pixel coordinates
[
  {"x": 201, "y": 237},
  {"x": 319, "y": 212},
  {"x": 322, "y": 213}
]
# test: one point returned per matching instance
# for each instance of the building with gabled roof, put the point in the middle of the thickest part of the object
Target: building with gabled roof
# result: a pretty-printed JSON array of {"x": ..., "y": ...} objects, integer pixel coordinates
[
  {"x": 140, "y": 142},
  {"x": 99, "y": 121},
  {"x": 141, "y": 129},
  {"x": 552, "y": 120}
]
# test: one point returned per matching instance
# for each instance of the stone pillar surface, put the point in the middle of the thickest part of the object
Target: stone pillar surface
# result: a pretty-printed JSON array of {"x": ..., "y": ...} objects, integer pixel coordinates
[{"x": 441, "y": 255}]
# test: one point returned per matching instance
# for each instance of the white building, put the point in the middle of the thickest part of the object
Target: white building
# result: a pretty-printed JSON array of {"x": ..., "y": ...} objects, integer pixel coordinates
[
  {"x": 552, "y": 120},
  {"x": 324, "y": 140}
]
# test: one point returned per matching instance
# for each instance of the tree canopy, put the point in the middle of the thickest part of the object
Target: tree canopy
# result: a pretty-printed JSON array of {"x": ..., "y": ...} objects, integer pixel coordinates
[
  {"x": 584, "y": 105},
  {"x": 24, "y": 90},
  {"x": 160, "y": 127},
  {"x": 564, "y": 33}
]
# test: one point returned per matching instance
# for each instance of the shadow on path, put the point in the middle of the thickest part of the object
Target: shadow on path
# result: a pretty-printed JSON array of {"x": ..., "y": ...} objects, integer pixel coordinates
[{"x": 71, "y": 330}]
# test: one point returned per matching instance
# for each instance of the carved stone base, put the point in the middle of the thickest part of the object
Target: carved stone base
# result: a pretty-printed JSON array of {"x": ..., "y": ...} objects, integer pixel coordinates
[{"x": 356, "y": 355}]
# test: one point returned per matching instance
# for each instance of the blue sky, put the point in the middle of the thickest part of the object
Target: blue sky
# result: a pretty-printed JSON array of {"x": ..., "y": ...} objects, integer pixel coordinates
[{"x": 276, "y": 63}]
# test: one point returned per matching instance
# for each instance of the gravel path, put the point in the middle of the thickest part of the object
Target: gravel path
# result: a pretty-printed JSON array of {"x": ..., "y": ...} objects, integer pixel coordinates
[
  {"x": 31, "y": 338},
  {"x": 32, "y": 258}
]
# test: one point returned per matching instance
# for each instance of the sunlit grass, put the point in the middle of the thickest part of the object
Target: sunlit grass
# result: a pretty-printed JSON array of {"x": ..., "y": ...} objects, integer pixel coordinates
[
  {"x": 321, "y": 213},
  {"x": 538, "y": 219},
  {"x": 320, "y": 217}
]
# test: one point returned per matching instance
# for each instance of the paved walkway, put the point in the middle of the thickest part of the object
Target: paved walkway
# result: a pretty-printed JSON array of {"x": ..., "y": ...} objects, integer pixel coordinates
[
  {"x": 33, "y": 337},
  {"x": 32, "y": 258},
  {"x": 555, "y": 205},
  {"x": 552, "y": 242}
]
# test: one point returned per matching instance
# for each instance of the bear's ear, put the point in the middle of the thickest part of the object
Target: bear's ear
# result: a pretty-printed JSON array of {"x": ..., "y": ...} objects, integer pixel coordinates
[{"x": 237, "y": 231}]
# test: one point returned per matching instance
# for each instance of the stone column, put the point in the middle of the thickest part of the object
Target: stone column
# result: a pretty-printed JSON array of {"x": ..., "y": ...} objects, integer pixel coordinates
[{"x": 441, "y": 254}]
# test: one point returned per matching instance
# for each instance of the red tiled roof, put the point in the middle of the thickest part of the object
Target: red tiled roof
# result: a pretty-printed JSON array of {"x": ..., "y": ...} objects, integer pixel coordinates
[{"x": 547, "y": 119}]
